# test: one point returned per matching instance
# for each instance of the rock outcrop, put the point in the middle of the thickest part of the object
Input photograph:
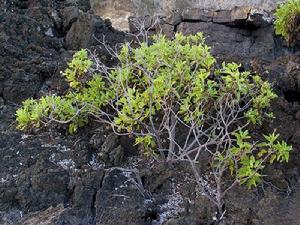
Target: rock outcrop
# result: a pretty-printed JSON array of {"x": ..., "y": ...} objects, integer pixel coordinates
[
  {"x": 119, "y": 10},
  {"x": 35, "y": 37}
]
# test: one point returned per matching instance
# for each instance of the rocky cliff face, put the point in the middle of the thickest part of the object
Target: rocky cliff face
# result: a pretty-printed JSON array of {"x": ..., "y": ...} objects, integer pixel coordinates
[{"x": 51, "y": 178}]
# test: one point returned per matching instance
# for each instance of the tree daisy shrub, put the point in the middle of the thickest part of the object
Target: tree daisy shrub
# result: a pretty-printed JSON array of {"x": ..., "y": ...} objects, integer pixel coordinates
[{"x": 177, "y": 103}]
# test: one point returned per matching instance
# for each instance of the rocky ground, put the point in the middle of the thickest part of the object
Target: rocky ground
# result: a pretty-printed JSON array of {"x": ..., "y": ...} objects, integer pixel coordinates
[{"x": 95, "y": 178}]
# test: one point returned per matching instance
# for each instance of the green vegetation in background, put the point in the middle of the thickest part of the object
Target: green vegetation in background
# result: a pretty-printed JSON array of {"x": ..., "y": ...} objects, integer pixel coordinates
[{"x": 287, "y": 23}]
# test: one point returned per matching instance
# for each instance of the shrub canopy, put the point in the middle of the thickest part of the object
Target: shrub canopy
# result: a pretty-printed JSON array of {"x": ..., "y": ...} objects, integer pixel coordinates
[
  {"x": 173, "y": 99},
  {"x": 287, "y": 23}
]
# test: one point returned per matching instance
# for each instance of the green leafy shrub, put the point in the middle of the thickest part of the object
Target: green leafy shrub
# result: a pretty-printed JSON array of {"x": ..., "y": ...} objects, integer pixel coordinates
[
  {"x": 287, "y": 20},
  {"x": 178, "y": 105},
  {"x": 71, "y": 110},
  {"x": 77, "y": 69}
]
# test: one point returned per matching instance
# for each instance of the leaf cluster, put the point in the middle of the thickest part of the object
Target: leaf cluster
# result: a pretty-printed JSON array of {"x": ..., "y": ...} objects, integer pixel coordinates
[
  {"x": 245, "y": 159},
  {"x": 286, "y": 23},
  {"x": 72, "y": 109}
]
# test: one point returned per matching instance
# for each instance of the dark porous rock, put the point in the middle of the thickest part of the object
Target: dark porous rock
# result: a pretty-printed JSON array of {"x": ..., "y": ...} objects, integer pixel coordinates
[
  {"x": 56, "y": 19},
  {"x": 263, "y": 44},
  {"x": 119, "y": 201},
  {"x": 54, "y": 181},
  {"x": 97, "y": 139},
  {"x": 17, "y": 89},
  {"x": 83, "y": 5},
  {"x": 41, "y": 3},
  {"x": 82, "y": 203},
  {"x": 293, "y": 75},
  {"x": 81, "y": 32},
  {"x": 158, "y": 178},
  {"x": 235, "y": 201},
  {"x": 111, "y": 152},
  {"x": 225, "y": 41},
  {"x": 86, "y": 187},
  {"x": 70, "y": 15},
  {"x": 43, "y": 185},
  {"x": 88, "y": 30},
  {"x": 82, "y": 153},
  {"x": 277, "y": 210},
  {"x": 28, "y": 40},
  {"x": 8, "y": 193},
  {"x": 240, "y": 44},
  {"x": 298, "y": 115}
]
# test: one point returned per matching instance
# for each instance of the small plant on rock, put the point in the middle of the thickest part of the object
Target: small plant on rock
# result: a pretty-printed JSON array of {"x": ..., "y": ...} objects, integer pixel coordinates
[
  {"x": 178, "y": 105},
  {"x": 287, "y": 23}
]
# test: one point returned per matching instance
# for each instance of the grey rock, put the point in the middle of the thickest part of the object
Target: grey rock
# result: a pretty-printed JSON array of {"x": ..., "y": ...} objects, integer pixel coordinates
[
  {"x": 46, "y": 217},
  {"x": 121, "y": 195},
  {"x": 197, "y": 14},
  {"x": 97, "y": 139},
  {"x": 240, "y": 13},
  {"x": 42, "y": 185},
  {"x": 88, "y": 30},
  {"x": 174, "y": 18},
  {"x": 86, "y": 186},
  {"x": 81, "y": 32},
  {"x": 240, "y": 44},
  {"x": 111, "y": 152},
  {"x": 260, "y": 18},
  {"x": 222, "y": 16},
  {"x": 11, "y": 217},
  {"x": 56, "y": 19},
  {"x": 119, "y": 10},
  {"x": 32, "y": 41},
  {"x": 70, "y": 15}
]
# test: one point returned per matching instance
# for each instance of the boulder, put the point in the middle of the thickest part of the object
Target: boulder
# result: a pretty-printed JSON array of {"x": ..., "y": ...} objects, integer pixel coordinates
[
  {"x": 70, "y": 15},
  {"x": 88, "y": 30},
  {"x": 42, "y": 185},
  {"x": 111, "y": 151},
  {"x": 120, "y": 201},
  {"x": 81, "y": 32}
]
